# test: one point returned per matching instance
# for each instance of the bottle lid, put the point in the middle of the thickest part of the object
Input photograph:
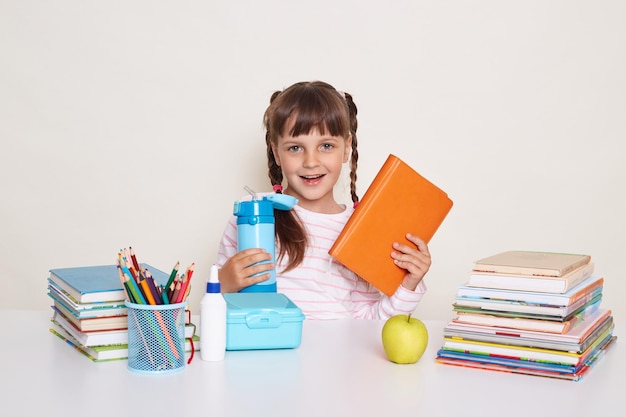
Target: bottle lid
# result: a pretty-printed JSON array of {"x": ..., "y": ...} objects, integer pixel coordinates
[
  {"x": 282, "y": 201},
  {"x": 213, "y": 285},
  {"x": 265, "y": 206}
]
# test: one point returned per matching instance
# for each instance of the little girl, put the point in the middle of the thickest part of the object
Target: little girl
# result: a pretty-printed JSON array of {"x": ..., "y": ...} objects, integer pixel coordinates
[{"x": 310, "y": 132}]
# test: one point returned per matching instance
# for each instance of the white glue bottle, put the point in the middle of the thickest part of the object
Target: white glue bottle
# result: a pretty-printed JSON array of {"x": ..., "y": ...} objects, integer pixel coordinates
[{"x": 213, "y": 320}]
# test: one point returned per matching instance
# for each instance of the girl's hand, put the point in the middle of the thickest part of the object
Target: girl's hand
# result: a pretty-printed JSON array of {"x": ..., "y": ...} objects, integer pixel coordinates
[
  {"x": 414, "y": 259},
  {"x": 236, "y": 273}
]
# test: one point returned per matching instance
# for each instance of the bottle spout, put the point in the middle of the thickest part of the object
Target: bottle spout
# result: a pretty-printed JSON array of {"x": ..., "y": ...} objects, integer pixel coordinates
[
  {"x": 213, "y": 285},
  {"x": 251, "y": 192}
]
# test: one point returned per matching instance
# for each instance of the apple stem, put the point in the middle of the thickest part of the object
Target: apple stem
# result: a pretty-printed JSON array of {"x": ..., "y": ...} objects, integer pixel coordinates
[{"x": 408, "y": 318}]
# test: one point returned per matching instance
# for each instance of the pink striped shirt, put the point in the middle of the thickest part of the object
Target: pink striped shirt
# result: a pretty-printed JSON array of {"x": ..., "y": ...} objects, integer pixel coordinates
[{"x": 322, "y": 287}]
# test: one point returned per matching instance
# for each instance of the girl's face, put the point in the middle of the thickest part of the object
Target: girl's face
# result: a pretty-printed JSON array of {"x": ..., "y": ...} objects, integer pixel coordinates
[{"x": 311, "y": 164}]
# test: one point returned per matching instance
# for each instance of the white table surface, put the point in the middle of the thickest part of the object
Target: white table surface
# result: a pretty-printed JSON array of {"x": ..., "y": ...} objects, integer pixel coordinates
[{"x": 340, "y": 369}]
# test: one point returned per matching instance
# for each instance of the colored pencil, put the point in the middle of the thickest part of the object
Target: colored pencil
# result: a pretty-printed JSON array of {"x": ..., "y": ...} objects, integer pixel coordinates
[
  {"x": 143, "y": 338},
  {"x": 174, "y": 297},
  {"x": 191, "y": 269},
  {"x": 139, "y": 299},
  {"x": 152, "y": 287},
  {"x": 187, "y": 291},
  {"x": 185, "y": 284},
  {"x": 171, "y": 289},
  {"x": 145, "y": 289},
  {"x": 165, "y": 298},
  {"x": 172, "y": 275},
  {"x": 128, "y": 264},
  {"x": 133, "y": 257}
]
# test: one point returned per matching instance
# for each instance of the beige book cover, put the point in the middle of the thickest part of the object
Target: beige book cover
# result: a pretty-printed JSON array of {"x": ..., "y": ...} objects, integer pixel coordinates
[{"x": 550, "y": 264}]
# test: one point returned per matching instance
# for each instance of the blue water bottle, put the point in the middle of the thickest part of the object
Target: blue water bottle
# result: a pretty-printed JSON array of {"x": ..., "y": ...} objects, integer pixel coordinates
[{"x": 255, "y": 229}]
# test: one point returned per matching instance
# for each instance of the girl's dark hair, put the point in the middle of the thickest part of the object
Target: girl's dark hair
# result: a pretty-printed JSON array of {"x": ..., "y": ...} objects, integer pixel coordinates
[{"x": 306, "y": 106}]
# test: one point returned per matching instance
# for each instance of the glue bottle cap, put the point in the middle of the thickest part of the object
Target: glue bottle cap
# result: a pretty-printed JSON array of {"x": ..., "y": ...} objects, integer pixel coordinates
[{"x": 213, "y": 285}]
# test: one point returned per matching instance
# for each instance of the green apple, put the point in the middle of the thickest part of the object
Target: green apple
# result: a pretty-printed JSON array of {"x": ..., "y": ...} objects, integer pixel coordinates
[{"x": 404, "y": 338}]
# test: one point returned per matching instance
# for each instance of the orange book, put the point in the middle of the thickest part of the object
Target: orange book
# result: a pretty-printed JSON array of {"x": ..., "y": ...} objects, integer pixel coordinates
[{"x": 399, "y": 201}]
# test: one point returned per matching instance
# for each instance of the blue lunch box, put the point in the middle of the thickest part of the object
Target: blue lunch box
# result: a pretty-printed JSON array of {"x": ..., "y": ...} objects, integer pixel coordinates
[{"x": 262, "y": 320}]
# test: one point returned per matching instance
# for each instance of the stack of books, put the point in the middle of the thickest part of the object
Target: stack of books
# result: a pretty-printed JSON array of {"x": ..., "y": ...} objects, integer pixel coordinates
[
  {"x": 89, "y": 311},
  {"x": 535, "y": 313}
]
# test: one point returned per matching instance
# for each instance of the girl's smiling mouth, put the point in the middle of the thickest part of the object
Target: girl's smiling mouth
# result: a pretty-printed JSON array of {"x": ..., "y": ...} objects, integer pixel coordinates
[{"x": 312, "y": 179}]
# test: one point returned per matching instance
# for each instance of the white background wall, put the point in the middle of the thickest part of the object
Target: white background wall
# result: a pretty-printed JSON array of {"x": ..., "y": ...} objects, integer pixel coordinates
[{"x": 137, "y": 123}]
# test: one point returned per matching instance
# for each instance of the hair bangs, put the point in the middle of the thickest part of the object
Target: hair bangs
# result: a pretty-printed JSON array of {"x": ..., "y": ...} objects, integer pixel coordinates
[
  {"x": 327, "y": 117},
  {"x": 306, "y": 108}
]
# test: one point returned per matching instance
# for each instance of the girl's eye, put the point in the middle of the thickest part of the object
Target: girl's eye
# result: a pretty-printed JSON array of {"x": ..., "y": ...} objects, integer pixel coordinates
[
  {"x": 294, "y": 148},
  {"x": 327, "y": 146}
]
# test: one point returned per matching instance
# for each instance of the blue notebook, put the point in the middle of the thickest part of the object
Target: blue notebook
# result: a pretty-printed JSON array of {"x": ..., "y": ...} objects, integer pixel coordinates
[{"x": 93, "y": 284}]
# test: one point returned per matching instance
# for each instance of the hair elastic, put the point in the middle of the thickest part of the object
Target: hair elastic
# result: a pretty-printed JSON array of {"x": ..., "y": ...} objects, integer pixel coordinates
[
  {"x": 356, "y": 203},
  {"x": 278, "y": 188}
]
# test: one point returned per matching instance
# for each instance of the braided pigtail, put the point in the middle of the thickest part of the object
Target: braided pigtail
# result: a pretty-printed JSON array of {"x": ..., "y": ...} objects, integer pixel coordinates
[
  {"x": 354, "y": 158},
  {"x": 273, "y": 169}
]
